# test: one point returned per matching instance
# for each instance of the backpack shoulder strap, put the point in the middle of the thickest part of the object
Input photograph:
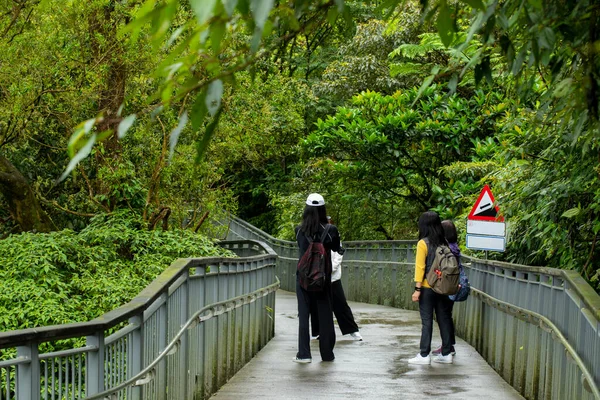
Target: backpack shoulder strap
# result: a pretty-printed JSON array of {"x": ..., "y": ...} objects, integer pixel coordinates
[
  {"x": 298, "y": 232},
  {"x": 325, "y": 232},
  {"x": 430, "y": 258}
]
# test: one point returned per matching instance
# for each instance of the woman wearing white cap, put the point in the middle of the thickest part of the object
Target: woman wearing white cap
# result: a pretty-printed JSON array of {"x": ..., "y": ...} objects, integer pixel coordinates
[
  {"x": 341, "y": 309},
  {"x": 313, "y": 226}
]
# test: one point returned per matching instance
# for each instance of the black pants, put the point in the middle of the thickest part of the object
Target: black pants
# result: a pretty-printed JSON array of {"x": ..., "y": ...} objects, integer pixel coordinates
[
  {"x": 321, "y": 302},
  {"x": 429, "y": 301},
  {"x": 452, "y": 335},
  {"x": 341, "y": 309}
]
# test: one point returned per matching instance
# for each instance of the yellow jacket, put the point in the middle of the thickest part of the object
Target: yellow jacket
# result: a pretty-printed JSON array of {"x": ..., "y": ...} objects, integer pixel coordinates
[{"x": 420, "y": 261}]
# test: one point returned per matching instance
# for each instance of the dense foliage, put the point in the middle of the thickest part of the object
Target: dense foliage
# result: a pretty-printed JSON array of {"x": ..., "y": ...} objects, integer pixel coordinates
[{"x": 64, "y": 276}]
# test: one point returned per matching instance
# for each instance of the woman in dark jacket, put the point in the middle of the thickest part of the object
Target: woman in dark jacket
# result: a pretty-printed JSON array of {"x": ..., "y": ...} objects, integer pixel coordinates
[{"x": 314, "y": 222}]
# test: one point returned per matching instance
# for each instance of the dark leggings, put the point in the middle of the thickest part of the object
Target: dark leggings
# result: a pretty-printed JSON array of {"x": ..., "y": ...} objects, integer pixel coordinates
[
  {"x": 429, "y": 301},
  {"x": 341, "y": 309},
  {"x": 321, "y": 302}
]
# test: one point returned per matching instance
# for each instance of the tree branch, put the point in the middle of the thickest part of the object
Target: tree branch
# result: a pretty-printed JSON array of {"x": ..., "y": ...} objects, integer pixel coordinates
[
  {"x": 199, "y": 224},
  {"x": 56, "y": 205}
]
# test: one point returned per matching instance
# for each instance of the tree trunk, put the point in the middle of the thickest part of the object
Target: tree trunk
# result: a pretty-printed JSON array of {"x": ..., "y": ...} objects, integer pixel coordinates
[
  {"x": 104, "y": 23},
  {"x": 24, "y": 207}
]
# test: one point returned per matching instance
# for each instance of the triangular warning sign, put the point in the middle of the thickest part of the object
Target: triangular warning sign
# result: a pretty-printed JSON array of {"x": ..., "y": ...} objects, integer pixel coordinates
[{"x": 485, "y": 208}]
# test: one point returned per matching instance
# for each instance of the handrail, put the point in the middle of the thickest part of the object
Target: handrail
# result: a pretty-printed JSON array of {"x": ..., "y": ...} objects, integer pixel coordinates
[
  {"x": 138, "y": 304},
  {"x": 270, "y": 238},
  {"x": 173, "y": 347},
  {"x": 585, "y": 291},
  {"x": 173, "y": 304},
  {"x": 552, "y": 328}
]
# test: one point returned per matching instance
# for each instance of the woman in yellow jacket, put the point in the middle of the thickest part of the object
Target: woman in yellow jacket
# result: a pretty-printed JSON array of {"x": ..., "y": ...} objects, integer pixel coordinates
[{"x": 431, "y": 235}]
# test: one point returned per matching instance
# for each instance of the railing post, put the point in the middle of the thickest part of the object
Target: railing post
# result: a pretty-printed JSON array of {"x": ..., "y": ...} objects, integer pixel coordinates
[
  {"x": 94, "y": 371},
  {"x": 163, "y": 340},
  {"x": 28, "y": 374},
  {"x": 184, "y": 363},
  {"x": 135, "y": 353},
  {"x": 410, "y": 254}
]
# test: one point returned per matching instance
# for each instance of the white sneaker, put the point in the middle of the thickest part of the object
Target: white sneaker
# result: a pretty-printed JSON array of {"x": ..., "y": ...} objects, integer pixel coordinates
[
  {"x": 302, "y": 360},
  {"x": 356, "y": 336},
  {"x": 447, "y": 359},
  {"x": 420, "y": 360}
]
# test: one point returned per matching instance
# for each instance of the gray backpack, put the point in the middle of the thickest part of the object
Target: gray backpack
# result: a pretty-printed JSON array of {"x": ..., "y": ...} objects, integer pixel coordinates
[{"x": 444, "y": 274}]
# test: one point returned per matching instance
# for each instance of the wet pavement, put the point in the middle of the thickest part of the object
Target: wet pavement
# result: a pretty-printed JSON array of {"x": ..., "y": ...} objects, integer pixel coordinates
[{"x": 375, "y": 368}]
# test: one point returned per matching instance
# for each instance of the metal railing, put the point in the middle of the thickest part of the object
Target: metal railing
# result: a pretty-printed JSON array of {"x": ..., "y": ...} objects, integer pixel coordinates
[
  {"x": 538, "y": 327},
  {"x": 182, "y": 337}
]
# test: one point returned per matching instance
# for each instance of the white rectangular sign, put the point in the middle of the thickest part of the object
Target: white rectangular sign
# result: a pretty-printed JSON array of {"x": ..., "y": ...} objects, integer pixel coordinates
[
  {"x": 486, "y": 228},
  {"x": 493, "y": 243}
]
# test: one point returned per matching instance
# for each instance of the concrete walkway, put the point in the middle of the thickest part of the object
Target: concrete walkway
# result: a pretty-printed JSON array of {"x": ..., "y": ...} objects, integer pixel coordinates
[{"x": 375, "y": 368}]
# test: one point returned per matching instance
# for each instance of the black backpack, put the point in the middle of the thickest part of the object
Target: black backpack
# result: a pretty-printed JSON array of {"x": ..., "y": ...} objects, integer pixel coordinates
[{"x": 312, "y": 266}]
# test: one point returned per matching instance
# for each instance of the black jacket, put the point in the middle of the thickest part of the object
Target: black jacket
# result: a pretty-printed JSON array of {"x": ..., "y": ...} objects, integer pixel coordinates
[{"x": 331, "y": 242}]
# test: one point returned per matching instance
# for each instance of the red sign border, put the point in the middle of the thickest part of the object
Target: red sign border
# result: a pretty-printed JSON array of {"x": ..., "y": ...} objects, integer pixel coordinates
[{"x": 473, "y": 217}]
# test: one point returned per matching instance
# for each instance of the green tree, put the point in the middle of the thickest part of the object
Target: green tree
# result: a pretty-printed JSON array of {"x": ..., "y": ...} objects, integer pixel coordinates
[{"x": 392, "y": 150}]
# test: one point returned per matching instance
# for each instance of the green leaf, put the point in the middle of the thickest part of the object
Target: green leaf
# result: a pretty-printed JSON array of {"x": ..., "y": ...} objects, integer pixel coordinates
[
  {"x": 208, "y": 134},
  {"x": 203, "y": 9},
  {"x": 172, "y": 69},
  {"x": 229, "y": 6},
  {"x": 476, "y": 4},
  {"x": 573, "y": 212},
  {"x": 260, "y": 10},
  {"x": 199, "y": 110},
  {"x": 255, "y": 42},
  {"x": 332, "y": 15},
  {"x": 80, "y": 131},
  {"x": 445, "y": 24},
  {"x": 144, "y": 15},
  {"x": 175, "y": 35},
  {"x": 217, "y": 33},
  {"x": 156, "y": 112},
  {"x": 124, "y": 125},
  {"x": 563, "y": 87},
  {"x": 340, "y": 5},
  {"x": 213, "y": 96},
  {"x": 452, "y": 83},
  {"x": 174, "y": 136},
  {"x": 105, "y": 134},
  {"x": 161, "y": 23},
  {"x": 243, "y": 7},
  {"x": 81, "y": 154},
  {"x": 426, "y": 83}
]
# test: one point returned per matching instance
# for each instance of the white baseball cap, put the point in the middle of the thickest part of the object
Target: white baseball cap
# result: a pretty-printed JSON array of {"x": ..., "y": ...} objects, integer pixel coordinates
[{"x": 315, "y": 199}]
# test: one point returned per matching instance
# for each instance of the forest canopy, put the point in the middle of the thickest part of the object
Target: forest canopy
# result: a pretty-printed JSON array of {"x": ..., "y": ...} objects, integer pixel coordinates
[{"x": 177, "y": 111}]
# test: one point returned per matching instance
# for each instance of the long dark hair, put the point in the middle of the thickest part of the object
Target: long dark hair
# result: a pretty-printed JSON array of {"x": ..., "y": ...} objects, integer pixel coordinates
[
  {"x": 430, "y": 227},
  {"x": 450, "y": 231},
  {"x": 312, "y": 218}
]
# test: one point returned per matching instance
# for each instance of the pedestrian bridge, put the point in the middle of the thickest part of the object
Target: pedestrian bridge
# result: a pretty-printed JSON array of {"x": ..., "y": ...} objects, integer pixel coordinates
[
  {"x": 375, "y": 368},
  {"x": 220, "y": 327}
]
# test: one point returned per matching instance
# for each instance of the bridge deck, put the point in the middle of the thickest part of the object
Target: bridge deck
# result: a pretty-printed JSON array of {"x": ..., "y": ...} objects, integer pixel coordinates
[{"x": 375, "y": 368}]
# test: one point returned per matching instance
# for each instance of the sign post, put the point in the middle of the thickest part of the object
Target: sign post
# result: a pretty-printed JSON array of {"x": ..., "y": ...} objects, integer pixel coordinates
[{"x": 486, "y": 229}]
